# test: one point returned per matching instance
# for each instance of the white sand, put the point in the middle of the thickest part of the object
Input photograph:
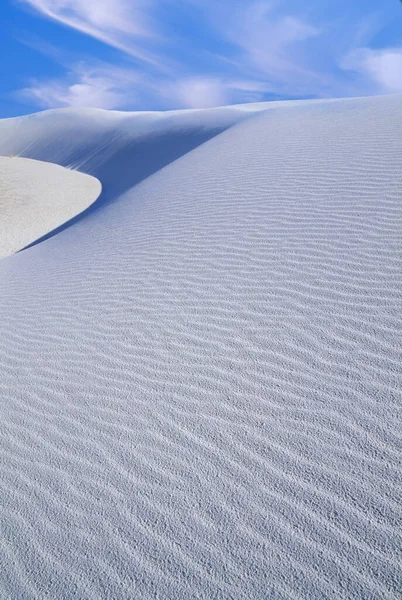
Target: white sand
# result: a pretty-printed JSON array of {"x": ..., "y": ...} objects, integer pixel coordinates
[
  {"x": 36, "y": 197},
  {"x": 200, "y": 382}
]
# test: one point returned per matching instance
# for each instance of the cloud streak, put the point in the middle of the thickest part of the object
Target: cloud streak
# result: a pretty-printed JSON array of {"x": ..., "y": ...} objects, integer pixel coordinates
[
  {"x": 118, "y": 23},
  {"x": 97, "y": 87},
  {"x": 102, "y": 85}
]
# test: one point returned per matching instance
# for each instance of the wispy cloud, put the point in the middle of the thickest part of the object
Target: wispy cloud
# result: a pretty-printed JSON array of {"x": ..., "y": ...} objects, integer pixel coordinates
[
  {"x": 383, "y": 67},
  {"x": 101, "y": 85},
  {"x": 268, "y": 38},
  {"x": 97, "y": 87},
  {"x": 118, "y": 23}
]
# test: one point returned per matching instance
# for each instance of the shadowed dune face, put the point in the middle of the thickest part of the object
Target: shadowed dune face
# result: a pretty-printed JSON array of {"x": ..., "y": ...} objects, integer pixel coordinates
[
  {"x": 133, "y": 162},
  {"x": 200, "y": 384}
]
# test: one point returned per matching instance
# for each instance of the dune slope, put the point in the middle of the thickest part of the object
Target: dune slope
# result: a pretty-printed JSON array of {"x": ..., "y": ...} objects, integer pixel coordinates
[
  {"x": 119, "y": 149},
  {"x": 200, "y": 384},
  {"x": 36, "y": 197}
]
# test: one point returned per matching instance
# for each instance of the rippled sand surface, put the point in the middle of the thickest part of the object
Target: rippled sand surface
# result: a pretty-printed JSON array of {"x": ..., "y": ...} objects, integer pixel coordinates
[{"x": 200, "y": 380}]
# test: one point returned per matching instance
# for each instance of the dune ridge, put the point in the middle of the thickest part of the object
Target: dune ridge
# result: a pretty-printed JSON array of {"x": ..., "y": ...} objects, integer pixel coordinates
[{"x": 200, "y": 383}]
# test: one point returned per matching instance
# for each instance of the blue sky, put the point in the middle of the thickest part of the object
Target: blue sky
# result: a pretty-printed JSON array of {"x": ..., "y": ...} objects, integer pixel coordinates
[{"x": 164, "y": 54}]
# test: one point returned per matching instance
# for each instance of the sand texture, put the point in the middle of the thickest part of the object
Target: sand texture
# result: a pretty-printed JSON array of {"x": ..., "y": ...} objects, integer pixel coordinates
[{"x": 200, "y": 377}]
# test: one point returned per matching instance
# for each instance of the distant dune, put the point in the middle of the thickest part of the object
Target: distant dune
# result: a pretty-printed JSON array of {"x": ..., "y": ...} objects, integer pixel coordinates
[{"x": 200, "y": 373}]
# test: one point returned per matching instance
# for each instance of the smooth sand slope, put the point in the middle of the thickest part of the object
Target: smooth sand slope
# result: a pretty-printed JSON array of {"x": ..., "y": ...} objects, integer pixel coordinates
[
  {"x": 36, "y": 197},
  {"x": 200, "y": 383}
]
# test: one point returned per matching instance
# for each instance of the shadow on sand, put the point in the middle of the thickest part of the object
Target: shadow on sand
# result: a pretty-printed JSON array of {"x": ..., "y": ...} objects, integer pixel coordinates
[{"x": 131, "y": 163}]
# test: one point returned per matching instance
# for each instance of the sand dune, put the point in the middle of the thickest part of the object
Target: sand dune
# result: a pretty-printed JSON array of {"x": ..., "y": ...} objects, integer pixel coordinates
[
  {"x": 200, "y": 381},
  {"x": 36, "y": 198},
  {"x": 121, "y": 149}
]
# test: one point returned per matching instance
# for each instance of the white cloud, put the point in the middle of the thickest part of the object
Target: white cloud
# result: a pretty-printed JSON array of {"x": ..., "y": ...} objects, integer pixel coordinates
[
  {"x": 104, "y": 86},
  {"x": 96, "y": 87},
  {"x": 201, "y": 92},
  {"x": 208, "y": 92},
  {"x": 383, "y": 67}
]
